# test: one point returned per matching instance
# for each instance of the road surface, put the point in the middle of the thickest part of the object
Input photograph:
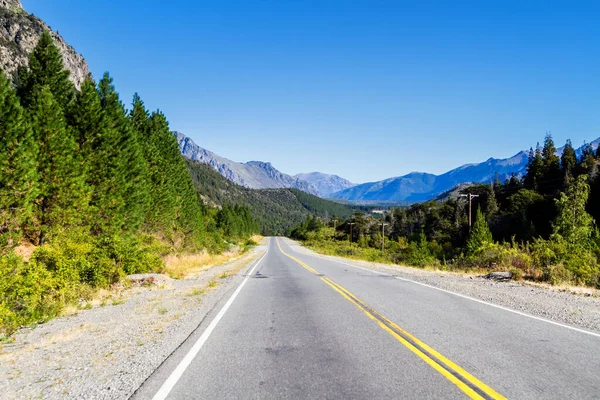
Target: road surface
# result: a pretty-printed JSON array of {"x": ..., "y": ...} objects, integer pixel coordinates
[{"x": 302, "y": 326}]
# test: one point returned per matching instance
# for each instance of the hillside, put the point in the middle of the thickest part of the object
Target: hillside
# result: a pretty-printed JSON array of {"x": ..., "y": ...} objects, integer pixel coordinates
[
  {"x": 277, "y": 210},
  {"x": 252, "y": 174}
]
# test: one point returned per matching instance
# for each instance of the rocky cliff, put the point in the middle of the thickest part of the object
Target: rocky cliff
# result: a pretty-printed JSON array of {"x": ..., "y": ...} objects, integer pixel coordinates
[{"x": 20, "y": 32}]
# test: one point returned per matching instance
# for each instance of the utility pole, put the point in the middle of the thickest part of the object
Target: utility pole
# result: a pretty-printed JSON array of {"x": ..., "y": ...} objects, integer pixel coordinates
[
  {"x": 471, "y": 196},
  {"x": 383, "y": 224},
  {"x": 351, "y": 223}
]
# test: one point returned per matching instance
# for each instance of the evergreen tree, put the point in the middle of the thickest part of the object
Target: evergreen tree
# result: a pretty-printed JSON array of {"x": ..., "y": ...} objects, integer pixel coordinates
[
  {"x": 492, "y": 204},
  {"x": 176, "y": 204},
  {"x": 46, "y": 68},
  {"x": 63, "y": 197},
  {"x": 514, "y": 182},
  {"x": 140, "y": 124},
  {"x": 140, "y": 118},
  {"x": 18, "y": 166},
  {"x": 568, "y": 160},
  {"x": 587, "y": 162},
  {"x": 128, "y": 168},
  {"x": 163, "y": 199},
  {"x": 551, "y": 171},
  {"x": 496, "y": 184},
  {"x": 480, "y": 234},
  {"x": 87, "y": 119},
  {"x": 98, "y": 148},
  {"x": 535, "y": 167}
]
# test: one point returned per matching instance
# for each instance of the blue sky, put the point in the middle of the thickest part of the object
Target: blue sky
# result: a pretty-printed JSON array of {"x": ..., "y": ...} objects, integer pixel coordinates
[{"x": 363, "y": 89}]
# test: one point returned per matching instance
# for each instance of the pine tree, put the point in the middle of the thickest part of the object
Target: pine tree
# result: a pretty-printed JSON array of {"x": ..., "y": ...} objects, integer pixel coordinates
[
  {"x": 480, "y": 234},
  {"x": 86, "y": 118},
  {"x": 98, "y": 147},
  {"x": 551, "y": 169},
  {"x": 514, "y": 182},
  {"x": 18, "y": 167},
  {"x": 63, "y": 197},
  {"x": 587, "y": 163},
  {"x": 496, "y": 184},
  {"x": 140, "y": 117},
  {"x": 176, "y": 203},
  {"x": 128, "y": 169},
  {"x": 163, "y": 199},
  {"x": 140, "y": 123},
  {"x": 535, "y": 167},
  {"x": 46, "y": 68},
  {"x": 568, "y": 160},
  {"x": 492, "y": 204}
]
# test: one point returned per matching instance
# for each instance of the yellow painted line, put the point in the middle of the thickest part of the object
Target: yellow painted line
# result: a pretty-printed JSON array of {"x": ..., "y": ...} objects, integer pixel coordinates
[
  {"x": 295, "y": 259},
  {"x": 378, "y": 318},
  {"x": 422, "y": 350}
]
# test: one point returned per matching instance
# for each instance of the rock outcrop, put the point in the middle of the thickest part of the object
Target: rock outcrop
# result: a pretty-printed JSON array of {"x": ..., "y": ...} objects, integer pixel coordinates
[{"x": 20, "y": 32}]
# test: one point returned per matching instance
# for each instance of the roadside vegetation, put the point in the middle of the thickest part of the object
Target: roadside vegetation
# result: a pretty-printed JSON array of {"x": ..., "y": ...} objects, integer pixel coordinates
[
  {"x": 180, "y": 266},
  {"x": 91, "y": 192},
  {"x": 542, "y": 227}
]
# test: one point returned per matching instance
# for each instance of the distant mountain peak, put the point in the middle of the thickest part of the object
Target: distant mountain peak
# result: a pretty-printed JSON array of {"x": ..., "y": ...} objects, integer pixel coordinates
[
  {"x": 419, "y": 186},
  {"x": 252, "y": 174},
  {"x": 326, "y": 184}
]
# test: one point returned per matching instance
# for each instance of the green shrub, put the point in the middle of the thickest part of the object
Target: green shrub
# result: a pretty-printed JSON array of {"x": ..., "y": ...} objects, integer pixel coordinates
[
  {"x": 562, "y": 262},
  {"x": 558, "y": 274},
  {"x": 517, "y": 274},
  {"x": 130, "y": 255},
  {"x": 28, "y": 293}
]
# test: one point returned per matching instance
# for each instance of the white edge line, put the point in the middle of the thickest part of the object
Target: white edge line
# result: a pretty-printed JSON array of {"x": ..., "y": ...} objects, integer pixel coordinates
[
  {"x": 171, "y": 381},
  {"x": 463, "y": 296}
]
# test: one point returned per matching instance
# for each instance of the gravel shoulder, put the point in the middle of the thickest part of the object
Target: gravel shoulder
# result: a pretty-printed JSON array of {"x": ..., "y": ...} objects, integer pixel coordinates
[
  {"x": 108, "y": 351},
  {"x": 579, "y": 307}
]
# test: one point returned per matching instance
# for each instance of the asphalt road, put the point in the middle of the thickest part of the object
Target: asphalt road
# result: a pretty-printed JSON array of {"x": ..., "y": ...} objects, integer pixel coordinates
[{"x": 301, "y": 326}]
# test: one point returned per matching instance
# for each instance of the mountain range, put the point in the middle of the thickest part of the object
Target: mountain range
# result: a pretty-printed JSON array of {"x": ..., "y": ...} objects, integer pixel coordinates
[
  {"x": 419, "y": 186},
  {"x": 410, "y": 188},
  {"x": 252, "y": 174}
]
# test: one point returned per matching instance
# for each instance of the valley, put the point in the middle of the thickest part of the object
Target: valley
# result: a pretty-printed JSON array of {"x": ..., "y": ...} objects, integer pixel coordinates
[{"x": 135, "y": 263}]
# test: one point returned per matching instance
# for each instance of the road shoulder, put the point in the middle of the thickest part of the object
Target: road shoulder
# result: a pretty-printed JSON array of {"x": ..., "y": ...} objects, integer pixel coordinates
[
  {"x": 108, "y": 351},
  {"x": 577, "y": 308}
]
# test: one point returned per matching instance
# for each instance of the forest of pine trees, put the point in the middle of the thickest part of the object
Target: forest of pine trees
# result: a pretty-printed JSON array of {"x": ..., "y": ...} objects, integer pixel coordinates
[
  {"x": 89, "y": 191},
  {"x": 543, "y": 226}
]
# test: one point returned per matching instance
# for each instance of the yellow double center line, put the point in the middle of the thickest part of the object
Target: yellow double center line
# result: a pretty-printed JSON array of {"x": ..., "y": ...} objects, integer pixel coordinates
[{"x": 473, "y": 387}]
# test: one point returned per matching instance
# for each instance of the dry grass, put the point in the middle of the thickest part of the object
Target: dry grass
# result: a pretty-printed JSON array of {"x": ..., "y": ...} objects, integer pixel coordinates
[
  {"x": 257, "y": 239},
  {"x": 183, "y": 266}
]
